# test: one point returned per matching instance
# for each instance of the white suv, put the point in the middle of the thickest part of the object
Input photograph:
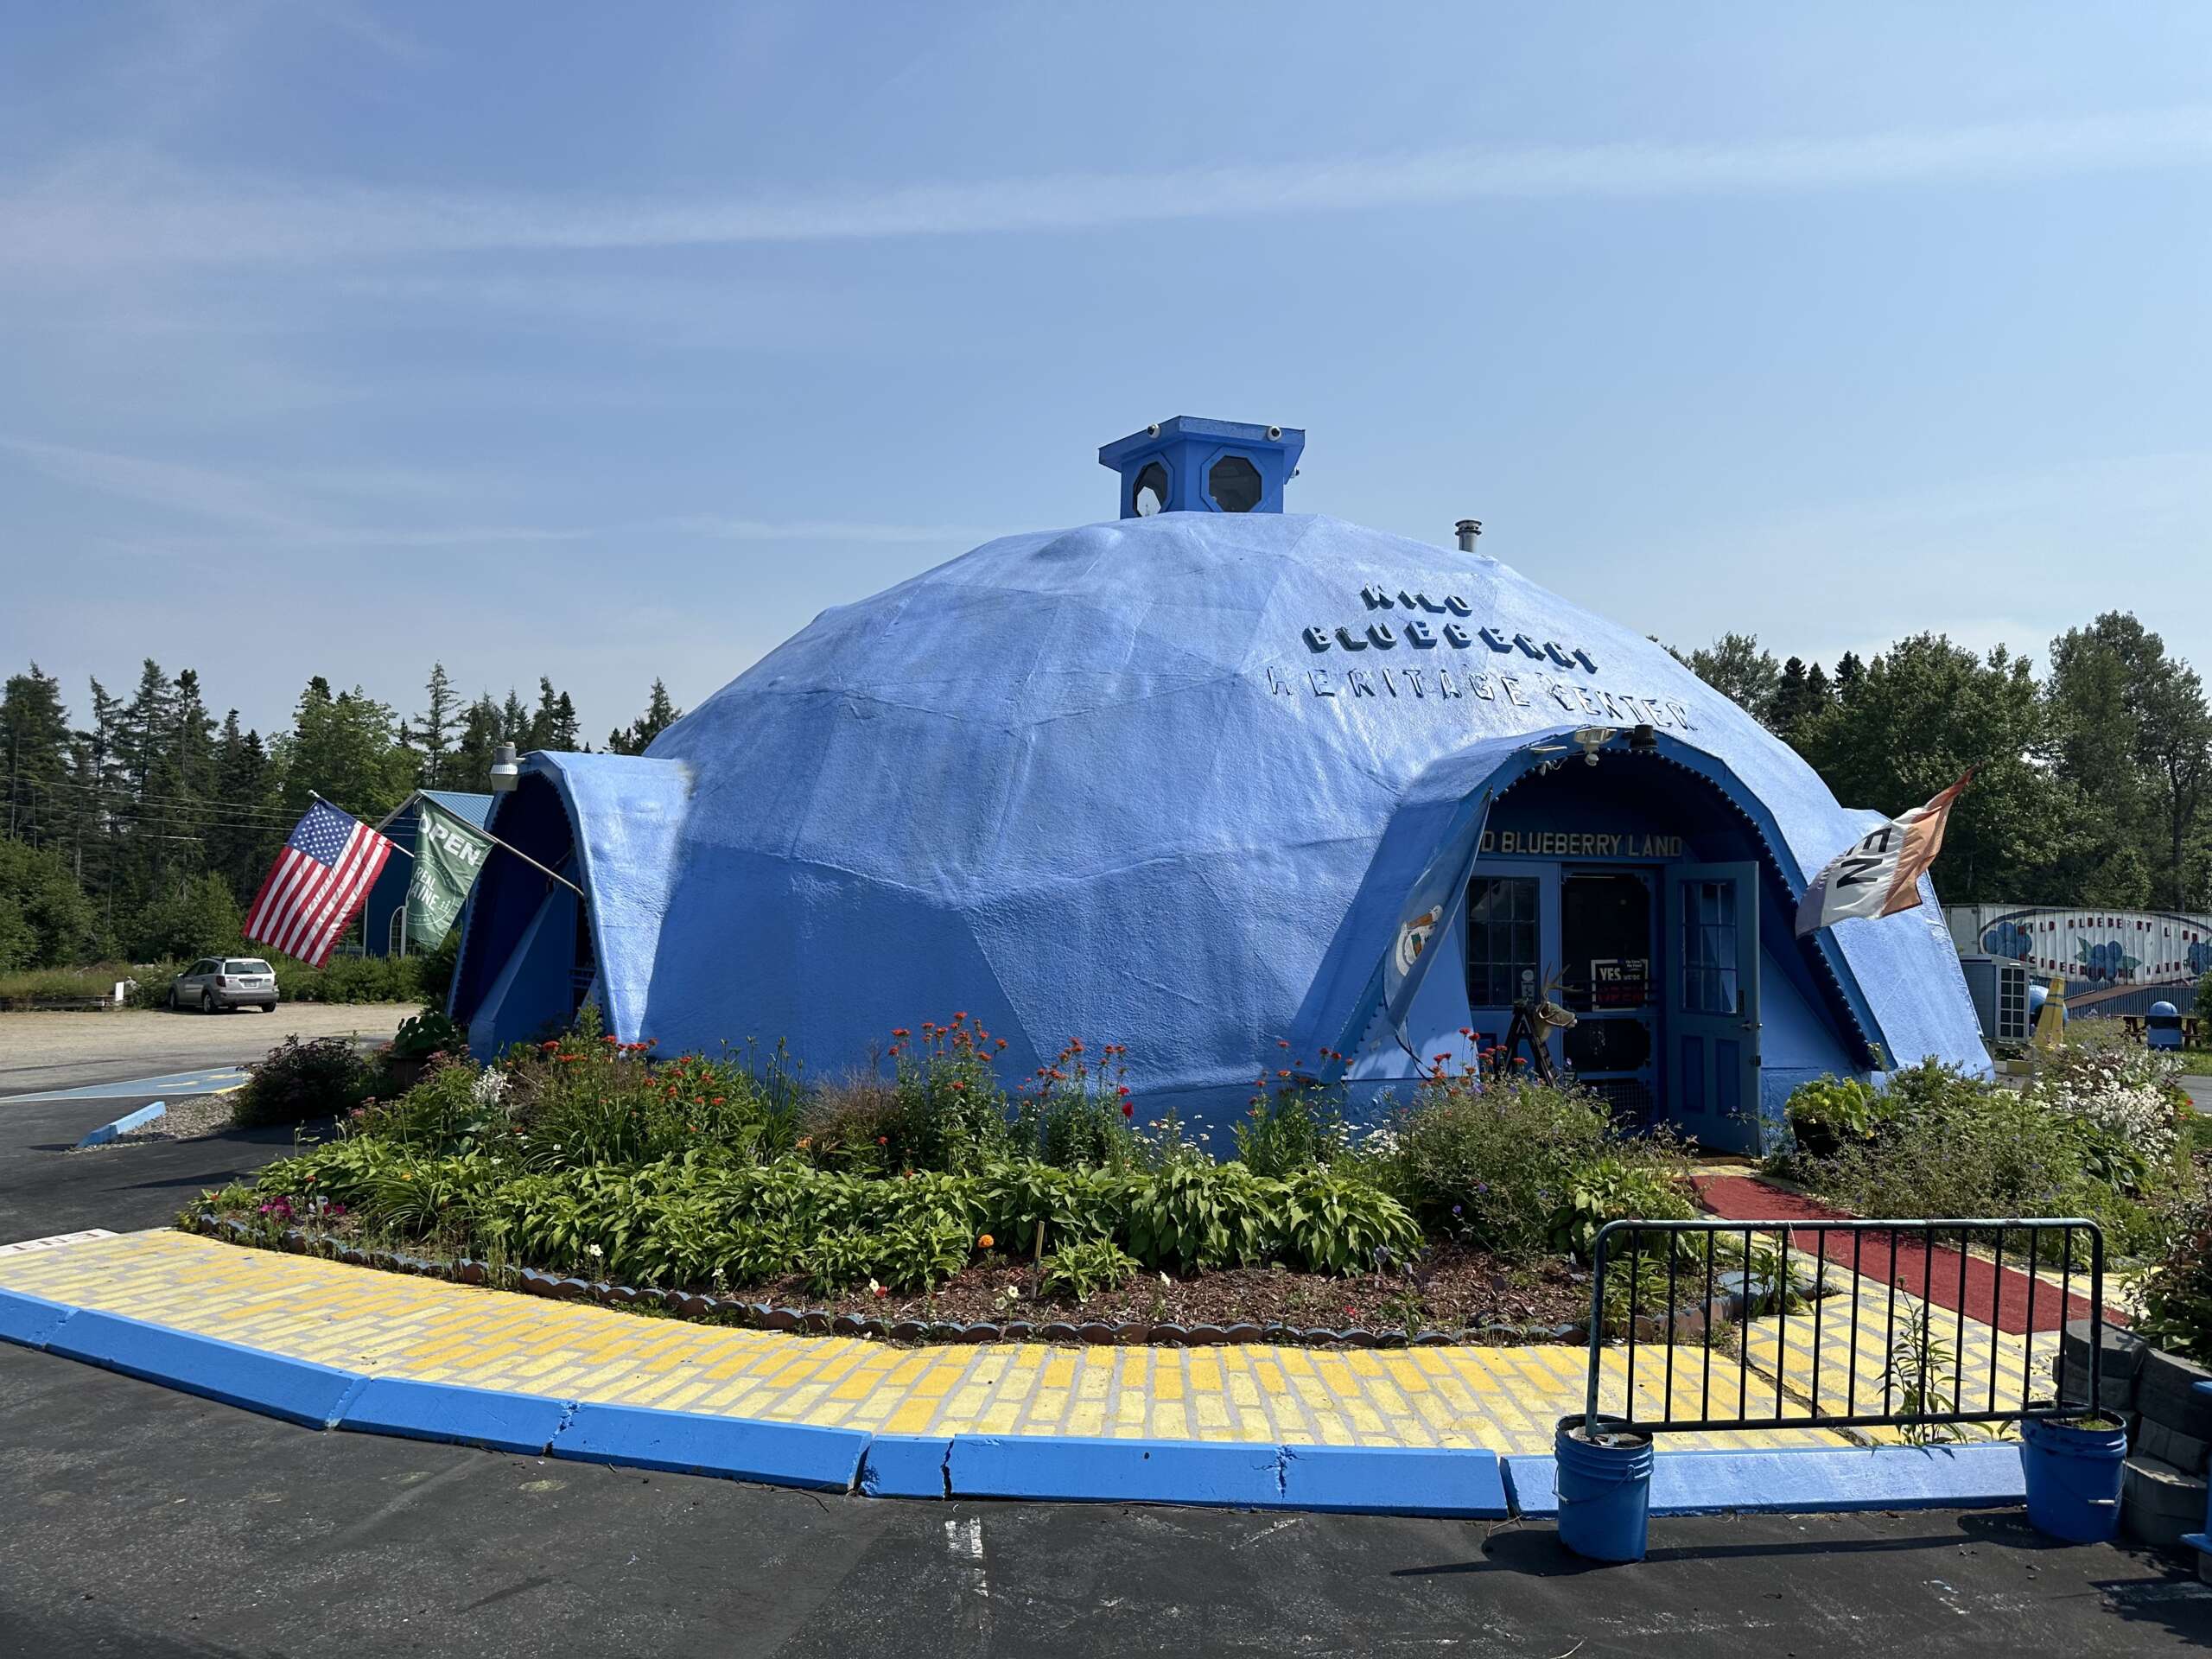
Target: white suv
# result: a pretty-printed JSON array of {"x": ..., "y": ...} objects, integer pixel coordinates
[{"x": 221, "y": 983}]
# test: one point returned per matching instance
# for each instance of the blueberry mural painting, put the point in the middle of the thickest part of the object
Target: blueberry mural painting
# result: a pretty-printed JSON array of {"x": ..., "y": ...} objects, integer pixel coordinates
[
  {"x": 2113, "y": 961},
  {"x": 1172, "y": 779}
]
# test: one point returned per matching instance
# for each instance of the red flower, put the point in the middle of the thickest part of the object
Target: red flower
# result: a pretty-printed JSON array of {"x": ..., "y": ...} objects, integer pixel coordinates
[
  {"x": 899, "y": 1031},
  {"x": 1125, "y": 1088},
  {"x": 1129, "y": 1109}
]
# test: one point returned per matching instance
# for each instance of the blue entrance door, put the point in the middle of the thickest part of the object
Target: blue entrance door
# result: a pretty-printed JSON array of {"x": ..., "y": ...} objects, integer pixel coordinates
[{"x": 1712, "y": 1022}]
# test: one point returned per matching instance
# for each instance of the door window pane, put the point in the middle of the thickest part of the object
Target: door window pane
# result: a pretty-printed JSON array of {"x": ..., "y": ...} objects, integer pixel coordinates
[
  {"x": 1501, "y": 940},
  {"x": 1709, "y": 981}
]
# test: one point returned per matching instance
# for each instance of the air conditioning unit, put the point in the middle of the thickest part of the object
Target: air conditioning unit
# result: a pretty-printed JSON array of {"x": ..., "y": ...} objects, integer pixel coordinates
[{"x": 1998, "y": 986}]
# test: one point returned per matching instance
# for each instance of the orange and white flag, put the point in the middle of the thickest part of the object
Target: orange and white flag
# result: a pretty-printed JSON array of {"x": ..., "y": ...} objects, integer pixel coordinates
[{"x": 1880, "y": 873}]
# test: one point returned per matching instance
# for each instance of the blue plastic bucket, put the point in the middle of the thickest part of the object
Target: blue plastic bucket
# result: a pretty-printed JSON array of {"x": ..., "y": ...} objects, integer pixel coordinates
[
  {"x": 1604, "y": 1483},
  {"x": 2073, "y": 1475}
]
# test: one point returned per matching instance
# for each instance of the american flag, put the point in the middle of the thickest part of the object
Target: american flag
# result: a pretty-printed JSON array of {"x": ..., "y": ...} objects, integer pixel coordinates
[{"x": 319, "y": 880}]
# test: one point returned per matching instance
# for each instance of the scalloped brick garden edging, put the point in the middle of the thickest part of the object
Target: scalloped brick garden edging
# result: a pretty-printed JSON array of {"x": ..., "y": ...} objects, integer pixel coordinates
[
  {"x": 1689, "y": 1323},
  {"x": 814, "y": 1321}
]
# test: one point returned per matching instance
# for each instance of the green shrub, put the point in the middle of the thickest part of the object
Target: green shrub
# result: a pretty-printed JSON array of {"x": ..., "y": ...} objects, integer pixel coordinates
[
  {"x": 1017, "y": 1196},
  {"x": 1079, "y": 1271},
  {"x": 1331, "y": 1221},
  {"x": 1831, "y": 1112},
  {"x": 421, "y": 1035},
  {"x": 2178, "y": 1291},
  {"x": 300, "y": 1081},
  {"x": 1076, "y": 1114},
  {"x": 947, "y": 1110},
  {"x": 1192, "y": 1215},
  {"x": 455, "y": 1108},
  {"x": 840, "y": 1260},
  {"x": 587, "y": 1099},
  {"x": 1298, "y": 1124},
  {"x": 1492, "y": 1163},
  {"x": 45, "y": 919},
  {"x": 1612, "y": 1188},
  {"x": 196, "y": 917}
]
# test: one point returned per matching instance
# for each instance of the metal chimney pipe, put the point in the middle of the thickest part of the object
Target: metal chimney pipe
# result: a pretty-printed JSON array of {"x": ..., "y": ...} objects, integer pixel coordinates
[{"x": 1467, "y": 530}]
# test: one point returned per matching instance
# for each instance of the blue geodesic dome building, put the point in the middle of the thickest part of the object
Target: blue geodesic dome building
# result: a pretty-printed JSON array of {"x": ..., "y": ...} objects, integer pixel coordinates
[{"x": 1203, "y": 777}]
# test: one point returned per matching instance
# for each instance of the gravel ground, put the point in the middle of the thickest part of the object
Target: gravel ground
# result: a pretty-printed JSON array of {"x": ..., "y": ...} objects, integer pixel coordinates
[
  {"x": 64, "y": 1051},
  {"x": 184, "y": 1120}
]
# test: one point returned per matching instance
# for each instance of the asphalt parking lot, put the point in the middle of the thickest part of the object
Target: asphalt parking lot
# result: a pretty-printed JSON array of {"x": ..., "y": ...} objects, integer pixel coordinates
[
  {"x": 138, "y": 1521},
  {"x": 146, "y": 1522}
]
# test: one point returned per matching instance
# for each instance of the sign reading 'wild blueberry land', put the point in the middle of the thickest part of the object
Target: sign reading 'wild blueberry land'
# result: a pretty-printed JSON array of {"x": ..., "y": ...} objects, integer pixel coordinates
[{"x": 1429, "y": 632}]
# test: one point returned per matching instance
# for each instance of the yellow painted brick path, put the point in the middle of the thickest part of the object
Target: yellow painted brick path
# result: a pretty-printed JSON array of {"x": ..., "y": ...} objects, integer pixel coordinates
[{"x": 363, "y": 1320}]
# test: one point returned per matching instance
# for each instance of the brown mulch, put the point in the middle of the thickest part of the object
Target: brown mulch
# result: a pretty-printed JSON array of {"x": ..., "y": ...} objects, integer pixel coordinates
[
  {"x": 1463, "y": 1293},
  {"x": 1456, "y": 1289}
]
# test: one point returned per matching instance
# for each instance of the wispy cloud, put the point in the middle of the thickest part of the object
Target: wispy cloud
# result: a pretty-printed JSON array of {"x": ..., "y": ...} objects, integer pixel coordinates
[
  {"x": 201, "y": 491},
  {"x": 88, "y": 217},
  {"x": 814, "y": 529},
  {"x": 257, "y": 512}
]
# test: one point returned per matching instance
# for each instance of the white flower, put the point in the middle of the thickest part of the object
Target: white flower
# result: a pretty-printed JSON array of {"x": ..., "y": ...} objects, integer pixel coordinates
[
  {"x": 489, "y": 1089},
  {"x": 593, "y": 1251}
]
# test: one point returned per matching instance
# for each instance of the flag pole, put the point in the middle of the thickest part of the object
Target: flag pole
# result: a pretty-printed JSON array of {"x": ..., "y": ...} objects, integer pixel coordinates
[{"x": 486, "y": 834}]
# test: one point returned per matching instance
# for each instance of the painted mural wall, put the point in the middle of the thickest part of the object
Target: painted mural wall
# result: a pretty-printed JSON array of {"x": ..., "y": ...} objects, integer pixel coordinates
[{"x": 2116, "y": 962}]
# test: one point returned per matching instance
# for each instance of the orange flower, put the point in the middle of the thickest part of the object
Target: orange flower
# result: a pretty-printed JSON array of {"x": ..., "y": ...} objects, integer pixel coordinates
[{"x": 984, "y": 1243}]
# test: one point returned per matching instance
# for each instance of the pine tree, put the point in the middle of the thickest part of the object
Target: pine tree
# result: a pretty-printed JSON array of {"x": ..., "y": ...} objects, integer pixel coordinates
[
  {"x": 661, "y": 712},
  {"x": 470, "y": 765},
  {"x": 148, "y": 748},
  {"x": 194, "y": 753},
  {"x": 1850, "y": 674},
  {"x": 243, "y": 833},
  {"x": 35, "y": 735},
  {"x": 435, "y": 727}
]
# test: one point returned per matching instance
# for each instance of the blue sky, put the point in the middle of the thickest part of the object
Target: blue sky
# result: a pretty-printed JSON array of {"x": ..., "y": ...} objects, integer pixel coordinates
[{"x": 605, "y": 342}]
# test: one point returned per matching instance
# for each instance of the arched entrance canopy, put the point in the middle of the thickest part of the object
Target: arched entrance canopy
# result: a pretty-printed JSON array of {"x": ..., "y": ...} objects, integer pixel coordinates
[{"x": 1427, "y": 849}]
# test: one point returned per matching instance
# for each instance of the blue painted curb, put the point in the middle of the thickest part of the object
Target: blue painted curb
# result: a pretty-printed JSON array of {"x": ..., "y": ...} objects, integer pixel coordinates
[
  {"x": 440, "y": 1411},
  {"x": 685, "y": 1442},
  {"x": 296, "y": 1389},
  {"x": 1227, "y": 1474},
  {"x": 1072, "y": 1468},
  {"x": 906, "y": 1466},
  {"x": 1394, "y": 1480},
  {"x": 123, "y": 1125},
  {"x": 30, "y": 1321},
  {"x": 1817, "y": 1481}
]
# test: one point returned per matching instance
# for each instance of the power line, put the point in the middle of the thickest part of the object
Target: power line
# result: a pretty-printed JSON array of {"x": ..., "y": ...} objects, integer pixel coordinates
[{"x": 111, "y": 794}]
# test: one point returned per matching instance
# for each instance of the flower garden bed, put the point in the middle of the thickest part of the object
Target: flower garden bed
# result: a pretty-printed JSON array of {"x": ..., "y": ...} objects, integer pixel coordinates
[
  {"x": 990, "y": 1303},
  {"x": 928, "y": 1203}
]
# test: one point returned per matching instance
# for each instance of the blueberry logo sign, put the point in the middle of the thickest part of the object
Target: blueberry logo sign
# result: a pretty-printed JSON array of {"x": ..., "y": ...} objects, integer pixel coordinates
[
  {"x": 2114, "y": 949},
  {"x": 1413, "y": 939}
]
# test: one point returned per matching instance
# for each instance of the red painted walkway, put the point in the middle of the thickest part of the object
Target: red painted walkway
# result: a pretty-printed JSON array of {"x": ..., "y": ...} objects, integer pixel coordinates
[{"x": 1904, "y": 1259}]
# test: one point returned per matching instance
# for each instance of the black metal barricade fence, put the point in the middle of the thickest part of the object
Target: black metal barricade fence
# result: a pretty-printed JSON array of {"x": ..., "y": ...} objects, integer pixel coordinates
[{"x": 1932, "y": 1287}]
